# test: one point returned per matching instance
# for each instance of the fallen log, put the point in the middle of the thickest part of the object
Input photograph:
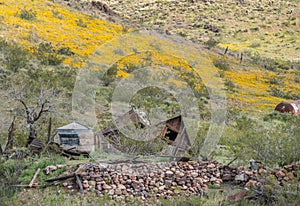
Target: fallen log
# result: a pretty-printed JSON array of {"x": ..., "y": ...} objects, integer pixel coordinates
[{"x": 60, "y": 178}]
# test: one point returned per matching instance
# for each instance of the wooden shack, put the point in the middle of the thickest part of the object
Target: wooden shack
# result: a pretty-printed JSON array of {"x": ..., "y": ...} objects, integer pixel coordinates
[
  {"x": 174, "y": 133},
  {"x": 292, "y": 107},
  {"x": 76, "y": 137},
  {"x": 171, "y": 130}
]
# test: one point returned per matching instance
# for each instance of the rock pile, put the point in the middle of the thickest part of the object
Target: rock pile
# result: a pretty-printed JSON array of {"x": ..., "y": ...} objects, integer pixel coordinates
[
  {"x": 160, "y": 178},
  {"x": 155, "y": 179}
]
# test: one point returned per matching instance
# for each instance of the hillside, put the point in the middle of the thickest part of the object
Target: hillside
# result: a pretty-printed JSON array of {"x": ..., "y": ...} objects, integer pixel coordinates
[
  {"x": 266, "y": 28},
  {"x": 221, "y": 66},
  {"x": 255, "y": 85}
]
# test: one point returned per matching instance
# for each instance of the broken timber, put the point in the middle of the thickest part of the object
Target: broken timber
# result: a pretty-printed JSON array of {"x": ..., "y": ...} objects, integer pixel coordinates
[
  {"x": 60, "y": 178},
  {"x": 79, "y": 182},
  {"x": 34, "y": 177}
]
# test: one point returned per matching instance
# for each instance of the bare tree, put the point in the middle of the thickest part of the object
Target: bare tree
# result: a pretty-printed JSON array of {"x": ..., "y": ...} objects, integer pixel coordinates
[{"x": 33, "y": 112}]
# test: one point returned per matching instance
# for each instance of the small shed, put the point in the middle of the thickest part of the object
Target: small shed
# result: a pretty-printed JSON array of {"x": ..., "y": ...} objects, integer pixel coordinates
[
  {"x": 174, "y": 133},
  {"x": 292, "y": 107},
  {"x": 76, "y": 137}
]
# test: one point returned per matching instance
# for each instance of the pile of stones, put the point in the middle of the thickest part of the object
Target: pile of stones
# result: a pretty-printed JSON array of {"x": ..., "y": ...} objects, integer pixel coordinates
[{"x": 155, "y": 179}]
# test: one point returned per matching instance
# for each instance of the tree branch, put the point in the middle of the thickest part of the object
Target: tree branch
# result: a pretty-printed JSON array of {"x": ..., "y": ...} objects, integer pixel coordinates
[{"x": 43, "y": 110}]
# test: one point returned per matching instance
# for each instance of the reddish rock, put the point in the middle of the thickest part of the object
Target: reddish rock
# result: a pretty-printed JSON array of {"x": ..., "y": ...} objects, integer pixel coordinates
[
  {"x": 106, "y": 187},
  {"x": 118, "y": 191},
  {"x": 85, "y": 185},
  {"x": 211, "y": 165},
  {"x": 280, "y": 174},
  {"x": 121, "y": 187}
]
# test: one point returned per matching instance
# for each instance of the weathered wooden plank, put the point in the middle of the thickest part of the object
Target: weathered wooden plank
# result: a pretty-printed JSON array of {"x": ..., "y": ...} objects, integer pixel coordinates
[
  {"x": 34, "y": 177},
  {"x": 60, "y": 178},
  {"x": 78, "y": 181}
]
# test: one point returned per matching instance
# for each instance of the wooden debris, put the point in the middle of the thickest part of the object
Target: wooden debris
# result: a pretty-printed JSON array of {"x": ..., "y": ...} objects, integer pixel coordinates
[
  {"x": 78, "y": 182},
  {"x": 60, "y": 178},
  {"x": 34, "y": 177}
]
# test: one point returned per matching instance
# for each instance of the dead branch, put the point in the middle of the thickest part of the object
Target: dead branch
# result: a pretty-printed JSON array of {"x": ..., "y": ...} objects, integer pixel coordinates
[
  {"x": 34, "y": 177},
  {"x": 229, "y": 163}
]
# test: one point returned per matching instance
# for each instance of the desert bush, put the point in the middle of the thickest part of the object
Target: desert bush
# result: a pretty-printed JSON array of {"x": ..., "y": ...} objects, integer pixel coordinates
[
  {"x": 274, "y": 143},
  {"x": 229, "y": 84},
  {"x": 48, "y": 55},
  {"x": 65, "y": 51},
  {"x": 27, "y": 14},
  {"x": 211, "y": 43},
  {"x": 282, "y": 93},
  {"x": 274, "y": 80},
  {"x": 9, "y": 173},
  {"x": 136, "y": 147},
  {"x": 271, "y": 193},
  {"x": 80, "y": 23},
  {"x": 267, "y": 63},
  {"x": 14, "y": 57},
  {"x": 221, "y": 64}
]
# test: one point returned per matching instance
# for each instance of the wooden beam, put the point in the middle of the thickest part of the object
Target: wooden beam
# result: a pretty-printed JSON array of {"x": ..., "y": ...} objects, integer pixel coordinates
[
  {"x": 34, "y": 177},
  {"x": 60, "y": 178},
  {"x": 78, "y": 181}
]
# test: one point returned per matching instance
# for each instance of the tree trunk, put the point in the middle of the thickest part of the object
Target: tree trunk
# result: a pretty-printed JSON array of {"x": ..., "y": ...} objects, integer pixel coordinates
[
  {"x": 10, "y": 139},
  {"x": 49, "y": 130},
  {"x": 32, "y": 135}
]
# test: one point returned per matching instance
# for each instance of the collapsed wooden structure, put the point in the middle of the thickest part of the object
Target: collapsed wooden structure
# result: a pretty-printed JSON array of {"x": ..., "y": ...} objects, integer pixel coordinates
[{"x": 171, "y": 130}]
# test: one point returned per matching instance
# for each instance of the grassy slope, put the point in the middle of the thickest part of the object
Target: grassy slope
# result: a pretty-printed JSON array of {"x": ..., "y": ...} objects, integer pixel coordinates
[
  {"x": 83, "y": 34},
  {"x": 248, "y": 86},
  {"x": 267, "y": 28}
]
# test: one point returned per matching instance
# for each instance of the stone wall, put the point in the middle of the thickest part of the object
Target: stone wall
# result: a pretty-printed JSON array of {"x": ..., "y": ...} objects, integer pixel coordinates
[{"x": 169, "y": 178}]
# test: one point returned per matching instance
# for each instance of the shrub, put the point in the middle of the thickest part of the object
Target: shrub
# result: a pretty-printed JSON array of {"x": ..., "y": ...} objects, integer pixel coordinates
[
  {"x": 80, "y": 23},
  {"x": 27, "y": 14},
  {"x": 65, "y": 51},
  {"x": 283, "y": 94},
  {"x": 229, "y": 85},
  {"x": 48, "y": 55},
  {"x": 274, "y": 143},
  {"x": 132, "y": 146},
  {"x": 14, "y": 57},
  {"x": 274, "y": 80},
  {"x": 221, "y": 64},
  {"x": 269, "y": 64},
  {"x": 211, "y": 43},
  {"x": 9, "y": 173}
]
